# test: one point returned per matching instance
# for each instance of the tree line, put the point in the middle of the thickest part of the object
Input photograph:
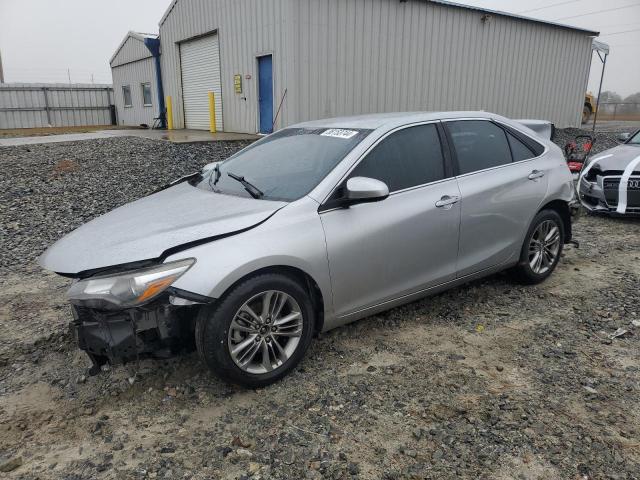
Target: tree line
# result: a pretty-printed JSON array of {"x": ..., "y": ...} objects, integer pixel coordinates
[{"x": 628, "y": 105}]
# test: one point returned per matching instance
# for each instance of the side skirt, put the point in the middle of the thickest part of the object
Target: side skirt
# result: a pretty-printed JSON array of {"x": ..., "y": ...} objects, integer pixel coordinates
[{"x": 331, "y": 323}]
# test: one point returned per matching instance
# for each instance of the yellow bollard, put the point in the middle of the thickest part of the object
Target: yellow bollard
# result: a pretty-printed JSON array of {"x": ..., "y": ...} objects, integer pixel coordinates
[
  {"x": 169, "y": 114},
  {"x": 212, "y": 112}
]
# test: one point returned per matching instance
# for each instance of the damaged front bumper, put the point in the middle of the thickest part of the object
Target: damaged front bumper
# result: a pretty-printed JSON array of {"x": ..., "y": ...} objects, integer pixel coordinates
[
  {"x": 159, "y": 329},
  {"x": 601, "y": 195}
]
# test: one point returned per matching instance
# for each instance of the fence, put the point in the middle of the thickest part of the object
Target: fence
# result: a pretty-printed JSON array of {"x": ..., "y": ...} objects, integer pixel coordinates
[
  {"x": 619, "y": 111},
  {"x": 30, "y": 105}
]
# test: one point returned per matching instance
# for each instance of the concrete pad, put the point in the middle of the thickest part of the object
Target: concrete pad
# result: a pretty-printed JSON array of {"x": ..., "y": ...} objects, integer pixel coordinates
[
  {"x": 182, "y": 136},
  {"x": 66, "y": 137},
  {"x": 175, "y": 136}
]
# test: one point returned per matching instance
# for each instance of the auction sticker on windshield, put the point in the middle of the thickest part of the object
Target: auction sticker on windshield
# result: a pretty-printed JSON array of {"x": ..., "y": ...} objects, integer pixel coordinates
[{"x": 339, "y": 133}]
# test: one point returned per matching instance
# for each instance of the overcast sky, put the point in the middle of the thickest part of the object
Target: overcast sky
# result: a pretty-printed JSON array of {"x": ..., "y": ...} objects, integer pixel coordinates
[
  {"x": 41, "y": 39},
  {"x": 623, "y": 65}
]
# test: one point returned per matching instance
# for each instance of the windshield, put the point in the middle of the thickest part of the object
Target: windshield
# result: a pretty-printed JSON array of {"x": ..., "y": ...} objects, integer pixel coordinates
[
  {"x": 283, "y": 166},
  {"x": 635, "y": 140}
]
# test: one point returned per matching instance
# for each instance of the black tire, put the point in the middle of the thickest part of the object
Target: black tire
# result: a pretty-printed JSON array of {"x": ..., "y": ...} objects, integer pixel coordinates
[
  {"x": 213, "y": 323},
  {"x": 586, "y": 114},
  {"x": 523, "y": 272}
]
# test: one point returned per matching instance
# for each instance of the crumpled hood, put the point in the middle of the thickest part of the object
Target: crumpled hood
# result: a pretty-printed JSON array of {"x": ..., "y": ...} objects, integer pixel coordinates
[
  {"x": 144, "y": 229},
  {"x": 620, "y": 157}
]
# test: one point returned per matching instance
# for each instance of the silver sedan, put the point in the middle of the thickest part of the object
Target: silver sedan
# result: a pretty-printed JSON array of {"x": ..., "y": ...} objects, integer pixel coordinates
[{"x": 310, "y": 228}]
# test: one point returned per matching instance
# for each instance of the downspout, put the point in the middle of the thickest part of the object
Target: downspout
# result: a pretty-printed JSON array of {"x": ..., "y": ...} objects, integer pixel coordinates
[{"x": 153, "y": 44}]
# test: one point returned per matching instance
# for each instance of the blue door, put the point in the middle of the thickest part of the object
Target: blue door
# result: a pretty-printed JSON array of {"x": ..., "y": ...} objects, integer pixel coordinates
[{"x": 265, "y": 93}]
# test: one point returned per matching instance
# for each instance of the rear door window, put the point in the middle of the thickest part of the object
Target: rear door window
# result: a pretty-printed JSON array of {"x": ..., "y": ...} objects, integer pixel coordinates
[
  {"x": 406, "y": 158},
  {"x": 479, "y": 144}
]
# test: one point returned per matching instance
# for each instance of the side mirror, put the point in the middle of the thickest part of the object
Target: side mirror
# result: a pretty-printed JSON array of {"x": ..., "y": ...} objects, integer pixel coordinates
[
  {"x": 208, "y": 167},
  {"x": 364, "y": 189},
  {"x": 623, "y": 137}
]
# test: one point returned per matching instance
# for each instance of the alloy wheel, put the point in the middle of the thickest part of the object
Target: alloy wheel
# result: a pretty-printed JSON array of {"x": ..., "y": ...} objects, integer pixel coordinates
[
  {"x": 544, "y": 246},
  {"x": 265, "y": 332}
]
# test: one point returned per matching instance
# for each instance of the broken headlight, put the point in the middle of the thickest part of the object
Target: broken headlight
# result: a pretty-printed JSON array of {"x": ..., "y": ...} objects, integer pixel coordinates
[
  {"x": 592, "y": 174},
  {"x": 127, "y": 289}
]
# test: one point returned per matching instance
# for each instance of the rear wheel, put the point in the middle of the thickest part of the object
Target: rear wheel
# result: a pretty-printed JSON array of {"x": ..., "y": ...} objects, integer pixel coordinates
[
  {"x": 258, "y": 332},
  {"x": 542, "y": 248}
]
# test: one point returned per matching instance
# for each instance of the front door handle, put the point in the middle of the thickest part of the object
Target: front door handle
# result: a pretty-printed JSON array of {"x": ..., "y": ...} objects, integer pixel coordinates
[
  {"x": 535, "y": 174},
  {"x": 447, "y": 201}
]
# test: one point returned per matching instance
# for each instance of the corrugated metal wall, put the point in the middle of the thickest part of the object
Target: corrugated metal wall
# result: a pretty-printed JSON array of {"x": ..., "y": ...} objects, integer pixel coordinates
[
  {"x": 340, "y": 57},
  {"x": 132, "y": 50},
  {"x": 133, "y": 65},
  {"x": 30, "y": 105},
  {"x": 135, "y": 74},
  {"x": 246, "y": 28},
  {"x": 366, "y": 56}
]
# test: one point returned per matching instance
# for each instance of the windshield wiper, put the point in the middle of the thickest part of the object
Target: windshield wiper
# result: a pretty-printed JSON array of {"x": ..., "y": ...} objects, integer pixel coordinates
[
  {"x": 184, "y": 178},
  {"x": 215, "y": 175},
  {"x": 254, "y": 191}
]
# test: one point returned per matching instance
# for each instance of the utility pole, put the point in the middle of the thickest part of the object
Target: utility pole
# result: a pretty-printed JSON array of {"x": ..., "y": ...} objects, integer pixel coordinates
[
  {"x": 604, "y": 48},
  {"x": 69, "y": 75},
  {"x": 1, "y": 72}
]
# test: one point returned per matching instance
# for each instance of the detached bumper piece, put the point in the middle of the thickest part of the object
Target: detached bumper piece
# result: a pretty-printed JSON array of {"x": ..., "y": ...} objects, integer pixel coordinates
[{"x": 158, "y": 329}]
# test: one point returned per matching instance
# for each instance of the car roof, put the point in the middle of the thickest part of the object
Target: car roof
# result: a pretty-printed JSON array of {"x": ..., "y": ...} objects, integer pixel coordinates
[{"x": 391, "y": 120}]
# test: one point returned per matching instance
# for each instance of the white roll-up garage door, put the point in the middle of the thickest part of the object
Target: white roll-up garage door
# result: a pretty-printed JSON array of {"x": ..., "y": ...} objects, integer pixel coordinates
[{"x": 200, "y": 62}]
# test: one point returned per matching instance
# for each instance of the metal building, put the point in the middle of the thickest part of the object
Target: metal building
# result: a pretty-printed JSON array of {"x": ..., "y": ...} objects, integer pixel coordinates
[
  {"x": 271, "y": 63},
  {"x": 135, "y": 87}
]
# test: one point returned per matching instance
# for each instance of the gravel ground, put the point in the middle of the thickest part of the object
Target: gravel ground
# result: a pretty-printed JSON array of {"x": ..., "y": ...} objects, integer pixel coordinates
[
  {"x": 491, "y": 380},
  {"x": 50, "y": 189},
  {"x": 604, "y": 140}
]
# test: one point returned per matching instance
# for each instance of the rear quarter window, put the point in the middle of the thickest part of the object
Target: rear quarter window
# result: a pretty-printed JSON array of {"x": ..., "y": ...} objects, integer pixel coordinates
[
  {"x": 536, "y": 147},
  {"x": 519, "y": 150}
]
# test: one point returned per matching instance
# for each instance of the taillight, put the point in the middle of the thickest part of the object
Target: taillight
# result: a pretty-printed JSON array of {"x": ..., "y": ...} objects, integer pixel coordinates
[{"x": 575, "y": 167}]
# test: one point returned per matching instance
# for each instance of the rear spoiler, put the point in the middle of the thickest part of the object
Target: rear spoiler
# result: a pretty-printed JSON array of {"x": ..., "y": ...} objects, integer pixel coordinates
[{"x": 544, "y": 128}]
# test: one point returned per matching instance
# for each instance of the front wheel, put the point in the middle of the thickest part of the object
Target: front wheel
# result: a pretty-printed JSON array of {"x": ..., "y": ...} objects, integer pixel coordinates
[
  {"x": 542, "y": 248},
  {"x": 258, "y": 332}
]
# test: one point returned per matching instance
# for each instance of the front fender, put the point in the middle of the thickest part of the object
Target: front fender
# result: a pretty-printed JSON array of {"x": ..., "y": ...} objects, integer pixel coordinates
[{"x": 293, "y": 237}]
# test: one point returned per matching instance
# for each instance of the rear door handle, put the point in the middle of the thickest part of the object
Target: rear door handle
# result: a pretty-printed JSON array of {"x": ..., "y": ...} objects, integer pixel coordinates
[
  {"x": 535, "y": 174},
  {"x": 447, "y": 201}
]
